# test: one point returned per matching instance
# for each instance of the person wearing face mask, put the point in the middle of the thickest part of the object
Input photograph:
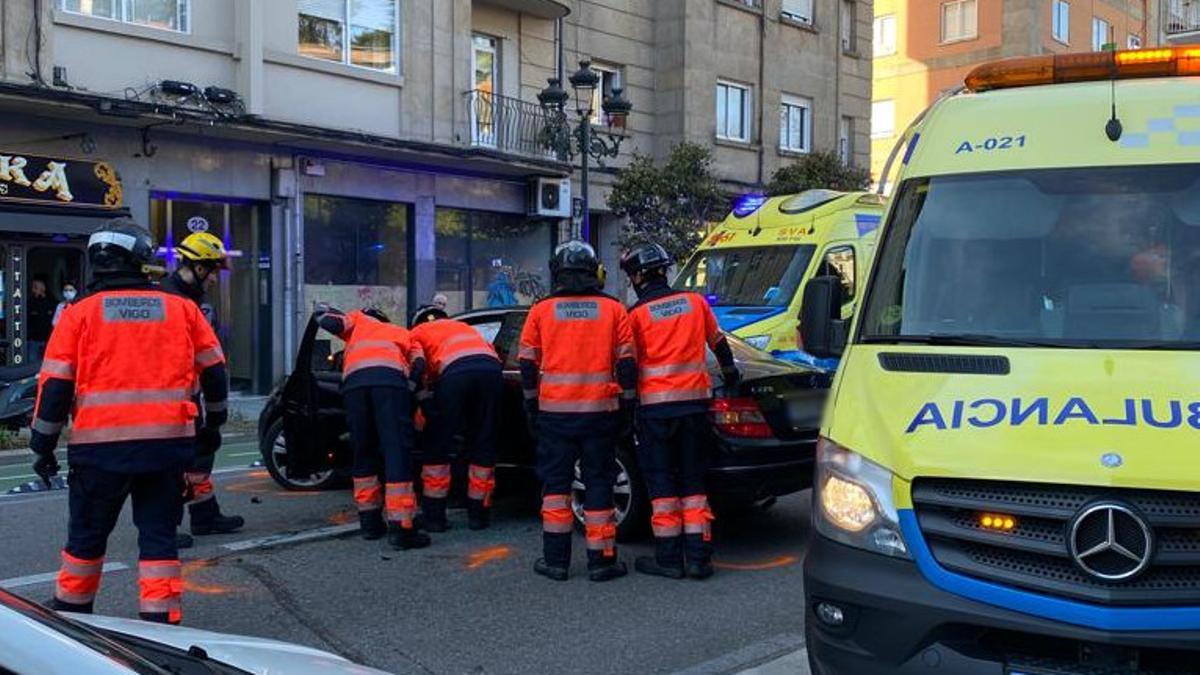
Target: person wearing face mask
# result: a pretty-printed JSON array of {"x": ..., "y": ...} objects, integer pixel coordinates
[
  {"x": 69, "y": 293},
  {"x": 201, "y": 257}
]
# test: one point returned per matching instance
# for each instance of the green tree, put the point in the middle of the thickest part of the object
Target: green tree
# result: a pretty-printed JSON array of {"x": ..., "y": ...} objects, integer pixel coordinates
[
  {"x": 669, "y": 204},
  {"x": 818, "y": 170}
]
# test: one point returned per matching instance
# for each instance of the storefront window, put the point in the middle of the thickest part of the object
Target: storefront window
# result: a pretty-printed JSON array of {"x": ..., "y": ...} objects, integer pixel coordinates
[
  {"x": 489, "y": 259},
  {"x": 356, "y": 254}
]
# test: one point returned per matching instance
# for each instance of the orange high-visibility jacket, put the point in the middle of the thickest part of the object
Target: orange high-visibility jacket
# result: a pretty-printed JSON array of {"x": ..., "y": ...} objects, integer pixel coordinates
[
  {"x": 445, "y": 341},
  {"x": 671, "y": 333},
  {"x": 576, "y": 341},
  {"x": 371, "y": 343},
  {"x": 134, "y": 357}
]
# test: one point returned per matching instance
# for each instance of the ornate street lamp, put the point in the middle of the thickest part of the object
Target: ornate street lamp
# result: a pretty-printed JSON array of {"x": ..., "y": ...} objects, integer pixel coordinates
[{"x": 582, "y": 140}]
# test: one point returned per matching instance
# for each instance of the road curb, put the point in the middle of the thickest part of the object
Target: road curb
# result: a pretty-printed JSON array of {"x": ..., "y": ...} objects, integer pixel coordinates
[{"x": 756, "y": 655}]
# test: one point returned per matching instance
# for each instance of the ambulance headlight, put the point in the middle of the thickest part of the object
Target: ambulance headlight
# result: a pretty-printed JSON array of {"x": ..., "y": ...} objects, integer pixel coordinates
[
  {"x": 758, "y": 341},
  {"x": 854, "y": 503}
]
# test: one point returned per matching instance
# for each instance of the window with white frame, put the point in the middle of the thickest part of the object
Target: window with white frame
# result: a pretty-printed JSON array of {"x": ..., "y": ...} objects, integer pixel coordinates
[
  {"x": 849, "y": 19},
  {"x": 960, "y": 20},
  {"x": 798, "y": 10},
  {"x": 1135, "y": 41},
  {"x": 883, "y": 118},
  {"x": 1060, "y": 21},
  {"x": 611, "y": 78},
  {"x": 1101, "y": 31},
  {"x": 165, "y": 14},
  {"x": 733, "y": 111},
  {"x": 795, "y": 124},
  {"x": 846, "y": 140},
  {"x": 884, "y": 39},
  {"x": 355, "y": 32}
]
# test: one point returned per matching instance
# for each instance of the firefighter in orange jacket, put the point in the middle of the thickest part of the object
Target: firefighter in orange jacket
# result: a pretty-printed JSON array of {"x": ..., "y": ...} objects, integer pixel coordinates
[
  {"x": 577, "y": 360},
  {"x": 380, "y": 370},
  {"x": 463, "y": 387},
  {"x": 671, "y": 329},
  {"x": 133, "y": 430}
]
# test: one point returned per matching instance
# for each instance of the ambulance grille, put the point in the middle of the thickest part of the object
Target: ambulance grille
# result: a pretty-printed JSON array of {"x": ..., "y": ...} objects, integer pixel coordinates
[
  {"x": 1034, "y": 555},
  {"x": 959, "y": 364}
]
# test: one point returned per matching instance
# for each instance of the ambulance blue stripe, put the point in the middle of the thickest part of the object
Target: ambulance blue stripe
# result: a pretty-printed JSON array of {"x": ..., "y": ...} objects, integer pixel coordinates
[
  {"x": 1134, "y": 619},
  {"x": 912, "y": 145},
  {"x": 733, "y": 318},
  {"x": 867, "y": 223},
  {"x": 803, "y": 357}
]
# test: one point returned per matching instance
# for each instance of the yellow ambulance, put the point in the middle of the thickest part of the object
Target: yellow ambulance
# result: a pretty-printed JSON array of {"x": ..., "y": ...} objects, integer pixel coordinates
[
  {"x": 752, "y": 267},
  {"x": 1008, "y": 474}
]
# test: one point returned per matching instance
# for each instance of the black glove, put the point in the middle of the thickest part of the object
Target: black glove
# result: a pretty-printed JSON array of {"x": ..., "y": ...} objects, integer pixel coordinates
[
  {"x": 731, "y": 378},
  {"x": 46, "y": 467},
  {"x": 531, "y": 415},
  {"x": 208, "y": 441}
]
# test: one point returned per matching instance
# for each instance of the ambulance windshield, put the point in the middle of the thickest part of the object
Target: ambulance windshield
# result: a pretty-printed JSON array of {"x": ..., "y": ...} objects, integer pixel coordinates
[
  {"x": 757, "y": 276},
  {"x": 1089, "y": 257}
]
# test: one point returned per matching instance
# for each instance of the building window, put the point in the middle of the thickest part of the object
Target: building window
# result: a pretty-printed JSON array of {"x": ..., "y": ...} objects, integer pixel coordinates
[
  {"x": 733, "y": 112},
  {"x": 1100, "y": 33},
  {"x": 883, "y": 118},
  {"x": 487, "y": 259},
  {"x": 165, "y": 14},
  {"x": 1135, "y": 41},
  {"x": 846, "y": 140},
  {"x": 798, "y": 10},
  {"x": 959, "y": 20},
  {"x": 356, "y": 32},
  {"x": 610, "y": 78},
  {"x": 795, "y": 124},
  {"x": 849, "y": 26},
  {"x": 884, "y": 39},
  {"x": 1061, "y": 21}
]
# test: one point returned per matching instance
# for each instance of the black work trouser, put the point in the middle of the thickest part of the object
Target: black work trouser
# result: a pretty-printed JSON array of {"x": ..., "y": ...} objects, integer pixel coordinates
[
  {"x": 381, "y": 434},
  {"x": 674, "y": 454},
  {"x": 590, "y": 439},
  {"x": 466, "y": 409}
]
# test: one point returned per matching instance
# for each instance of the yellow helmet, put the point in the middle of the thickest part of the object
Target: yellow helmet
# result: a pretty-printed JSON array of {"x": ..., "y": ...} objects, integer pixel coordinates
[{"x": 203, "y": 247}]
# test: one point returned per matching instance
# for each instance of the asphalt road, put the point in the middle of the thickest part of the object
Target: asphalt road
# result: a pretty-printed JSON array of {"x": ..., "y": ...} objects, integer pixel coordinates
[{"x": 468, "y": 604}]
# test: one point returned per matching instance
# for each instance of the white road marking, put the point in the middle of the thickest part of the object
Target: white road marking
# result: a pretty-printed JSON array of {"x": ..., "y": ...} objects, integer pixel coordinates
[
  {"x": 244, "y": 454},
  {"x": 17, "y": 582},
  {"x": 290, "y": 537}
]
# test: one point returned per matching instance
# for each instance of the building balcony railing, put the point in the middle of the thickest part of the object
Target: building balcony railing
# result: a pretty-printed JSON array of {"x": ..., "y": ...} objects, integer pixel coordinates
[
  {"x": 510, "y": 125},
  {"x": 1181, "y": 19}
]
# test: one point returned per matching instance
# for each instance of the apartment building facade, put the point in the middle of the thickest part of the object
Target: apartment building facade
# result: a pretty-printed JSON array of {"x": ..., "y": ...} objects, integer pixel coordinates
[
  {"x": 924, "y": 48},
  {"x": 380, "y": 151}
]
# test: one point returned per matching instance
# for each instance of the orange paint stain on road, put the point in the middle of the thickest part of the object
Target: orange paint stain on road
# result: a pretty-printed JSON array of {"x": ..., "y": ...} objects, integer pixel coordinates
[
  {"x": 192, "y": 585},
  {"x": 343, "y": 518},
  {"x": 487, "y": 555},
  {"x": 773, "y": 563}
]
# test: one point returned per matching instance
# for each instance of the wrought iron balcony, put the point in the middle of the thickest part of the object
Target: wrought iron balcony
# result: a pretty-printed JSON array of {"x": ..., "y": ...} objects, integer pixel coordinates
[
  {"x": 1181, "y": 20},
  {"x": 511, "y": 125}
]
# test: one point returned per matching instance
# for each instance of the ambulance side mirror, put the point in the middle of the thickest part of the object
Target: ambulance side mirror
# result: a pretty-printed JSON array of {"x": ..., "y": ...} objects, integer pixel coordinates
[{"x": 822, "y": 330}]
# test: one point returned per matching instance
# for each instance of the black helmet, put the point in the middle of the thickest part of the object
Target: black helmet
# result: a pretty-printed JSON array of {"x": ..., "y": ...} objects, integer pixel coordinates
[
  {"x": 574, "y": 256},
  {"x": 427, "y": 313},
  {"x": 377, "y": 314},
  {"x": 120, "y": 245},
  {"x": 645, "y": 257}
]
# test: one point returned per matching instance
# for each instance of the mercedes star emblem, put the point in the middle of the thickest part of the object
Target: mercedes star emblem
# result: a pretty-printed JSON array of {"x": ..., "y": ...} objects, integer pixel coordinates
[
  {"x": 1111, "y": 542},
  {"x": 1111, "y": 460}
]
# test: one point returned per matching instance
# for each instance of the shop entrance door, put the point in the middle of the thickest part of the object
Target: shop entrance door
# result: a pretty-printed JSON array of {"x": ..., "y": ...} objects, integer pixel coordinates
[{"x": 33, "y": 273}]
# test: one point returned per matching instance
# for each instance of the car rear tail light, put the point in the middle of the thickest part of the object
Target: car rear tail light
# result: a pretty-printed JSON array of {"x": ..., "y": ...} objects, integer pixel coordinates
[
  {"x": 740, "y": 417},
  {"x": 1056, "y": 68}
]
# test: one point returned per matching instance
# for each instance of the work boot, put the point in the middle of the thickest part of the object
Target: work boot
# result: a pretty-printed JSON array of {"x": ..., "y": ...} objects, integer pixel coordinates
[
  {"x": 56, "y": 605},
  {"x": 549, "y": 571},
  {"x": 479, "y": 517},
  {"x": 433, "y": 512},
  {"x": 220, "y": 524},
  {"x": 405, "y": 538},
  {"x": 371, "y": 524},
  {"x": 184, "y": 540},
  {"x": 608, "y": 572},
  {"x": 649, "y": 565},
  {"x": 699, "y": 570}
]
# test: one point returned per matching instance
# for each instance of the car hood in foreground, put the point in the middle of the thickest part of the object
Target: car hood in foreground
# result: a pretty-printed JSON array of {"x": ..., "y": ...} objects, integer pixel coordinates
[{"x": 256, "y": 655}]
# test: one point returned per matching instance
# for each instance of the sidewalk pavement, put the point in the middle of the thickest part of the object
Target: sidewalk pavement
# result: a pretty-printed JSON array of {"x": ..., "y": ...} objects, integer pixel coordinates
[{"x": 795, "y": 663}]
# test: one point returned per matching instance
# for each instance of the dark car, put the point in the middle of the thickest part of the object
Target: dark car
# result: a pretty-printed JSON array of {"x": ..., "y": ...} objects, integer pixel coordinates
[{"x": 766, "y": 431}]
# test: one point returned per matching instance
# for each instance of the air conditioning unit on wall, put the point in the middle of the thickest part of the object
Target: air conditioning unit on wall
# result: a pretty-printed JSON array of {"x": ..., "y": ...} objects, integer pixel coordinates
[{"x": 550, "y": 197}]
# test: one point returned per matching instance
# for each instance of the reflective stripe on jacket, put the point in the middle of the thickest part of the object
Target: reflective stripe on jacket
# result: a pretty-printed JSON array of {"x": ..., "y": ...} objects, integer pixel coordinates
[
  {"x": 374, "y": 344},
  {"x": 576, "y": 341},
  {"x": 671, "y": 334},
  {"x": 445, "y": 341}
]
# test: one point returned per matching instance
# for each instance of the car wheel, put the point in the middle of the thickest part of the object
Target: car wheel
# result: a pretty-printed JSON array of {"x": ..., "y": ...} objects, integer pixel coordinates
[
  {"x": 273, "y": 447},
  {"x": 629, "y": 497}
]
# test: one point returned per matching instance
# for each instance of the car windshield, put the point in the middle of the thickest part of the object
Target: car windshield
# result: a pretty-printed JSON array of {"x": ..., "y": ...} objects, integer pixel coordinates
[
  {"x": 757, "y": 276},
  {"x": 1086, "y": 257}
]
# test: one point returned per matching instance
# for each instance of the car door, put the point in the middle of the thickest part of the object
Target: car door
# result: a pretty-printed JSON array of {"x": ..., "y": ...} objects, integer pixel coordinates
[{"x": 309, "y": 431}]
